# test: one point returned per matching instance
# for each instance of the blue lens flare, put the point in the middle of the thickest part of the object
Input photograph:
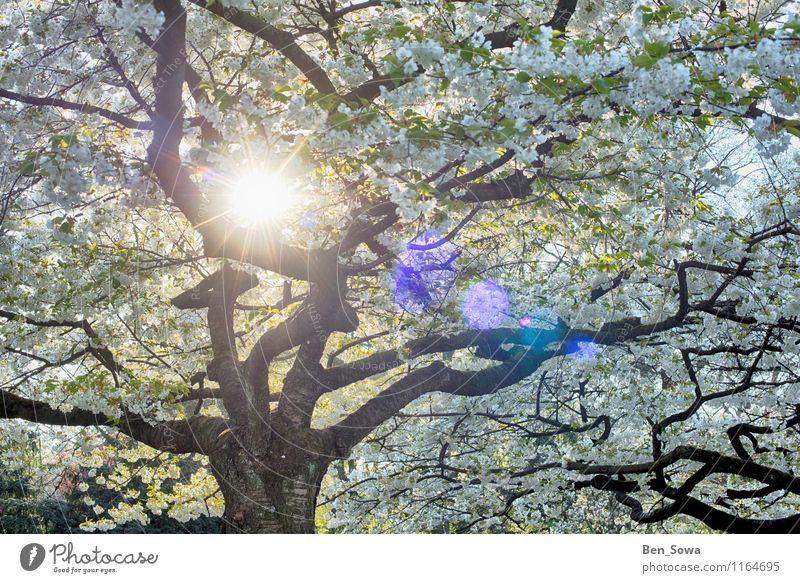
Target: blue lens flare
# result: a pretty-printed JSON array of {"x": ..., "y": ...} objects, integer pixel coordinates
[
  {"x": 582, "y": 349},
  {"x": 307, "y": 221},
  {"x": 486, "y": 305},
  {"x": 425, "y": 273},
  {"x": 542, "y": 328}
]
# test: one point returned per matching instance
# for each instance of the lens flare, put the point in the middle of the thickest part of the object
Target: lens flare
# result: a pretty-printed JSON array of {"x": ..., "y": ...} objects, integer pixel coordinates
[
  {"x": 582, "y": 349},
  {"x": 486, "y": 305},
  {"x": 425, "y": 273}
]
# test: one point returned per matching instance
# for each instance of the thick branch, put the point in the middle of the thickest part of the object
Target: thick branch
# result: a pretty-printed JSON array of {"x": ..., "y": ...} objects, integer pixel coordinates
[
  {"x": 320, "y": 314},
  {"x": 489, "y": 340},
  {"x": 197, "y": 434},
  {"x": 717, "y": 463},
  {"x": 432, "y": 378},
  {"x": 712, "y": 517}
]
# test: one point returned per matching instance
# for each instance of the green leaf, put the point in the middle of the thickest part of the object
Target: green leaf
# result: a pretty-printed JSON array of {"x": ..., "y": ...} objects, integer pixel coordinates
[
  {"x": 794, "y": 130},
  {"x": 221, "y": 99},
  {"x": 548, "y": 87},
  {"x": 644, "y": 61},
  {"x": 338, "y": 120},
  {"x": 399, "y": 31},
  {"x": 28, "y": 167},
  {"x": 601, "y": 85},
  {"x": 656, "y": 50}
]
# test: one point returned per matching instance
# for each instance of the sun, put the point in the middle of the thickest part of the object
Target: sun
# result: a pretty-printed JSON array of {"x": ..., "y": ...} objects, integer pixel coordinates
[{"x": 260, "y": 196}]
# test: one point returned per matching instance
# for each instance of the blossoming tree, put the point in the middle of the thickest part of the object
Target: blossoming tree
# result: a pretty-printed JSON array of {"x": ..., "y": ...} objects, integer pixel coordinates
[{"x": 405, "y": 264}]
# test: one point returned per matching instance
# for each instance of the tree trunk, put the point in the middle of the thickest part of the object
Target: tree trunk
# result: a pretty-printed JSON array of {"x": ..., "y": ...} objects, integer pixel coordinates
[{"x": 269, "y": 495}]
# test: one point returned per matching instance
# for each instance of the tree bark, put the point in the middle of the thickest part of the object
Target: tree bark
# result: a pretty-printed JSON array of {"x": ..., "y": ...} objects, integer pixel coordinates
[{"x": 275, "y": 492}]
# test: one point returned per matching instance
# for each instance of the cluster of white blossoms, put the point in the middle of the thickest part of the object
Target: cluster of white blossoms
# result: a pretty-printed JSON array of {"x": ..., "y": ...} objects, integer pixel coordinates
[{"x": 134, "y": 15}]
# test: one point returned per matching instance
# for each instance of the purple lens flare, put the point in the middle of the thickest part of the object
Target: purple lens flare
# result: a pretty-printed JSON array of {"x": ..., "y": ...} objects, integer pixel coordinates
[
  {"x": 425, "y": 273},
  {"x": 486, "y": 305}
]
